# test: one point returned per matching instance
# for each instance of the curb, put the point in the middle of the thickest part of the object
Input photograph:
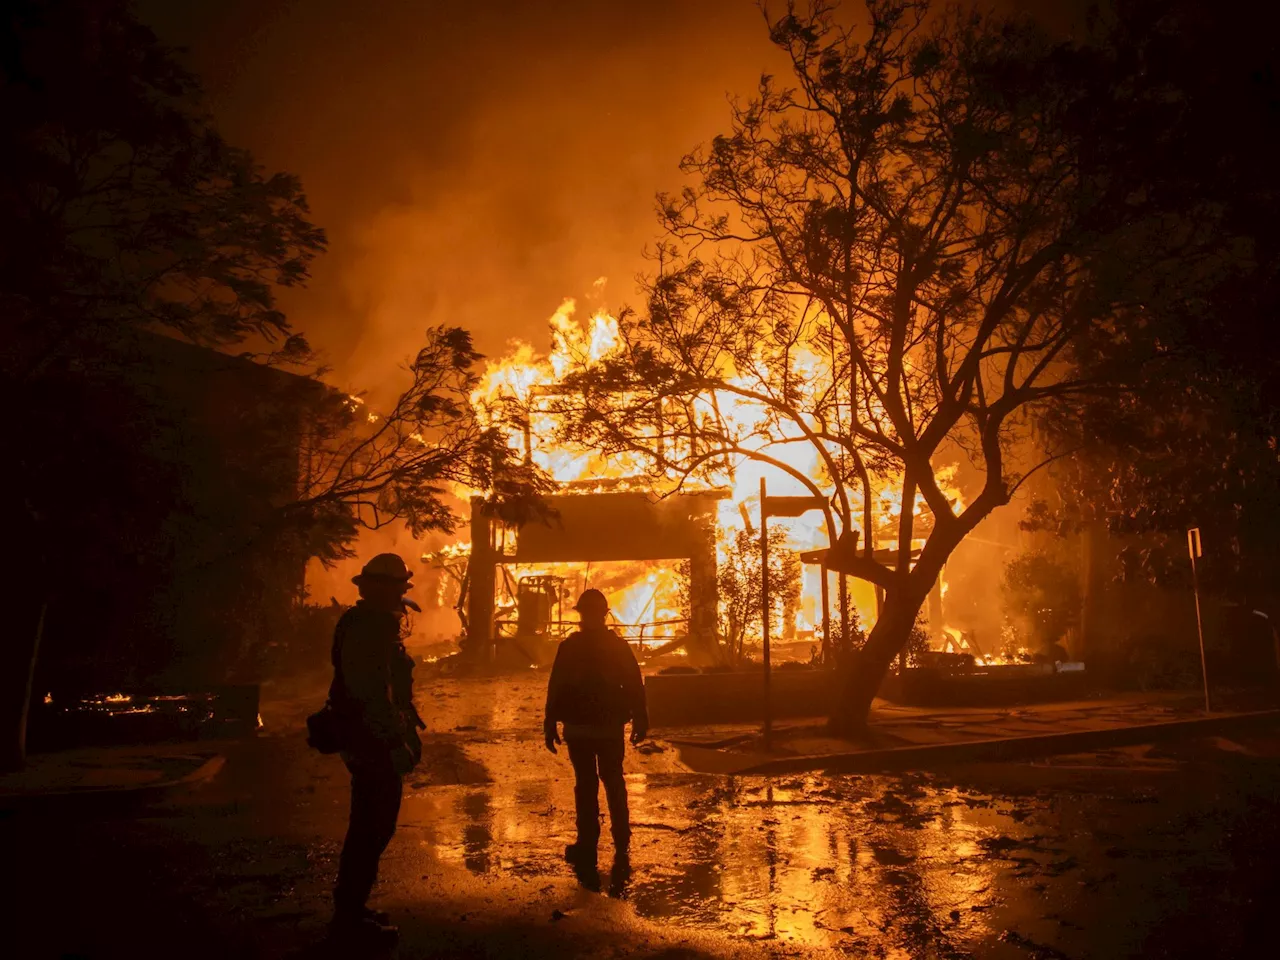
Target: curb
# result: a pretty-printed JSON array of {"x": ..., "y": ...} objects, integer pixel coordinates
[
  {"x": 141, "y": 793},
  {"x": 1012, "y": 748}
]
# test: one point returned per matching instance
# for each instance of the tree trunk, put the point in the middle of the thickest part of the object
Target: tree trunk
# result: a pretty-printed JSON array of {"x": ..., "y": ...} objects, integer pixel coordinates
[
  {"x": 860, "y": 680},
  {"x": 704, "y": 650},
  {"x": 1092, "y": 539},
  {"x": 18, "y": 667}
]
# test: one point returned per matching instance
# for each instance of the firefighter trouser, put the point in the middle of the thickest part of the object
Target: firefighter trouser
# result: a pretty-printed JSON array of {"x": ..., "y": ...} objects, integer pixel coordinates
[
  {"x": 375, "y": 804},
  {"x": 595, "y": 760}
]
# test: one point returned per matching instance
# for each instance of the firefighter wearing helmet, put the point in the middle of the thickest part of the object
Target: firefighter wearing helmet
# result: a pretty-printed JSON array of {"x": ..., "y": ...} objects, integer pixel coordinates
[
  {"x": 372, "y": 701},
  {"x": 595, "y": 690}
]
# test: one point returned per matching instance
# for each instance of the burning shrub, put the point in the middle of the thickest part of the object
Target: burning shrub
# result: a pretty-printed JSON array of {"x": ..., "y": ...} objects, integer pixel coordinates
[
  {"x": 918, "y": 643},
  {"x": 846, "y": 642}
]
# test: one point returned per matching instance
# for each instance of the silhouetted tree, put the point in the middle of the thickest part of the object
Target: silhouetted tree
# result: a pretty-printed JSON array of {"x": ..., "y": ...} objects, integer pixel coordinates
[
  {"x": 363, "y": 468},
  {"x": 1193, "y": 440},
  {"x": 121, "y": 205},
  {"x": 899, "y": 261},
  {"x": 126, "y": 219},
  {"x": 121, "y": 209},
  {"x": 1042, "y": 596}
]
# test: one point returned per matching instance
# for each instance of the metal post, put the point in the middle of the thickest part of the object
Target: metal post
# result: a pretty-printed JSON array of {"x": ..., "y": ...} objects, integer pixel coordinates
[
  {"x": 764, "y": 614},
  {"x": 845, "y": 637},
  {"x": 482, "y": 576},
  {"x": 827, "y": 657},
  {"x": 1193, "y": 549}
]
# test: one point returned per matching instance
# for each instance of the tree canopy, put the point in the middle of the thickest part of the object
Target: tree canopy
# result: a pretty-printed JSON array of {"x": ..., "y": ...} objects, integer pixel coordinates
[
  {"x": 139, "y": 253},
  {"x": 121, "y": 204},
  {"x": 1193, "y": 440},
  {"x": 895, "y": 259},
  {"x": 125, "y": 213}
]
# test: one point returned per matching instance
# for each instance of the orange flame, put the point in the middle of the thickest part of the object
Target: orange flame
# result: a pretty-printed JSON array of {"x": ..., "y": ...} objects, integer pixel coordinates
[{"x": 508, "y": 394}]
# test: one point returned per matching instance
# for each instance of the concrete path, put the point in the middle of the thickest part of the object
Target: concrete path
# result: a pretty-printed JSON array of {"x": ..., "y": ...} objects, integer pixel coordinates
[
  {"x": 902, "y": 737},
  {"x": 93, "y": 774}
]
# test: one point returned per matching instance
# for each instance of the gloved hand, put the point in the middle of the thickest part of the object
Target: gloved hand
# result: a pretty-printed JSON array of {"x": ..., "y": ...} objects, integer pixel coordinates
[
  {"x": 551, "y": 735},
  {"x": 414, "y": 743},
  {"x": 402, "y": 759},
  {"x": 638, "y": 733}
]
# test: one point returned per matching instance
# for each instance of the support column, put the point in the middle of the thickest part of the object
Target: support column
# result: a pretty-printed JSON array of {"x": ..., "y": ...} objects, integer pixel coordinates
[
  {"x": 935, "y": 607},
  {"x": 704, "y": 591},
  {"x": 482, "y": 574},
  {"x": 828, "y": 649}
]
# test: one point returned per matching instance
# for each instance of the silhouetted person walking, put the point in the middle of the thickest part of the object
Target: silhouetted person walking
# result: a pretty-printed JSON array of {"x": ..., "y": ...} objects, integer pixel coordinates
[
  {"x": 372, "y": 697},
  {"x": 595, "y": 690}
]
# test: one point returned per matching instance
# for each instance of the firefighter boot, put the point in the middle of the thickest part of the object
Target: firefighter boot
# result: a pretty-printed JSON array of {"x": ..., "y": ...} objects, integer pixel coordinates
[{"x": 362, "y": 931}]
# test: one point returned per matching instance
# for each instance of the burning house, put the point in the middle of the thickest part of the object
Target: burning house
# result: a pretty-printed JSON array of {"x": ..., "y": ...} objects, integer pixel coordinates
[{"x": 660, "y": 547}]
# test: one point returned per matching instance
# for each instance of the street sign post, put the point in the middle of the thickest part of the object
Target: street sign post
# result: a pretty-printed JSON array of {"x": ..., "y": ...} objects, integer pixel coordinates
[
  {"x": 764, "y": 612},
  {"x": 1194, "y": 551},
  {"x": 784, "y": 507}
]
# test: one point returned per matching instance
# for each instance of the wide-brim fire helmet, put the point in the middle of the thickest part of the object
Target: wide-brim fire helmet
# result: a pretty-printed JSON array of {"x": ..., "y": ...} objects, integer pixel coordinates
[
  {"x": 592, "y": 601},
  {"x": 385, "y": 567}
]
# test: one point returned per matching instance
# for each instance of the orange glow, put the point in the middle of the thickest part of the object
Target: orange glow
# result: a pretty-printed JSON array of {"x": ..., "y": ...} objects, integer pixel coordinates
[{"x": 513, "y": 392}]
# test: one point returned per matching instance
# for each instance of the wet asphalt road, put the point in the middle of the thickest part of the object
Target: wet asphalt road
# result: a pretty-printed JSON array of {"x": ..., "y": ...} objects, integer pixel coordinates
[{"x": 1145, "y": 852}]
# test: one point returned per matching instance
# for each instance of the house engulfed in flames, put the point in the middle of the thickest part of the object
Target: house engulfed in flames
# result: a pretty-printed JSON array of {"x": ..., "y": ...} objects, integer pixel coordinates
[{"x": 654, "y": 549}]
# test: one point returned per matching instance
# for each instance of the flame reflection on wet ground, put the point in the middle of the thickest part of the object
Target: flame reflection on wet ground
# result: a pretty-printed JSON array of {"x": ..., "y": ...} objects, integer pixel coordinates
[{"x": 870, "y": 863}]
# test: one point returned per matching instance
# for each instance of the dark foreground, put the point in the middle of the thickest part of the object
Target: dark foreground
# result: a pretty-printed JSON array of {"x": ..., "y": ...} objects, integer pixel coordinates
[{"x": 1153, "y": 852}]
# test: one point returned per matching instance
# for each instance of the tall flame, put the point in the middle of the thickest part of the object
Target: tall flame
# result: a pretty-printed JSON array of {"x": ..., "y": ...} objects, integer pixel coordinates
[{"x": 508, "y": 395}]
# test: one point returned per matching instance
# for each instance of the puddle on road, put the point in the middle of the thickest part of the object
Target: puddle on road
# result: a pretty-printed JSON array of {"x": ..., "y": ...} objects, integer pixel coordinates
[{"x": 873, "y": 865}]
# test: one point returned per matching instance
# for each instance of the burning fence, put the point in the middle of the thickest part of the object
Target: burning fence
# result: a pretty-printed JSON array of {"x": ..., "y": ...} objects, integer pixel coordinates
[{"x": 658, "y": 540}]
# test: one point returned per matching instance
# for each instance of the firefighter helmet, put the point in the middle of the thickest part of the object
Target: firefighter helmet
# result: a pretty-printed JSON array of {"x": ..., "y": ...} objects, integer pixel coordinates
[
  {"x": 385, "y": 566},
  {"x": 592, "y": 601}
]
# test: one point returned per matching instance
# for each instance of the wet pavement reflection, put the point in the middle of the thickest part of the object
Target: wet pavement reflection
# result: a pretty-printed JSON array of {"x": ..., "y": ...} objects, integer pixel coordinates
[
  {"x": 1145, "y": 851},
  {"x": 1033, "y": 860},
  {"x": 848, "y": 862}
]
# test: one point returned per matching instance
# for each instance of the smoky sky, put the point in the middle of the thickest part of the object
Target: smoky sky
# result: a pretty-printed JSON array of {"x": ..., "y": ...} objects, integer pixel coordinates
[{"x": 473, "y": 163}]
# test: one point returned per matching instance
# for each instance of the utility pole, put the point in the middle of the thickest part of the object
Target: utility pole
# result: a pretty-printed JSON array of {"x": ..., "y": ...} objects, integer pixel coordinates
[
  {"x": 764, "y": 615},
  {"x": 1193, "y": 549}
]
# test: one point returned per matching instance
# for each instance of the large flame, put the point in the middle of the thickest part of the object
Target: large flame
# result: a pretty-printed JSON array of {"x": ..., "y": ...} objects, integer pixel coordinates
[{"x": 513, "y": 391}]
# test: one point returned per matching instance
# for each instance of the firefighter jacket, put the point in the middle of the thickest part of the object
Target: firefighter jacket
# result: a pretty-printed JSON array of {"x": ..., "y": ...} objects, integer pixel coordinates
[
  {"x": 595, "y": 686},
  {"x": 366, "y": 651}
]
